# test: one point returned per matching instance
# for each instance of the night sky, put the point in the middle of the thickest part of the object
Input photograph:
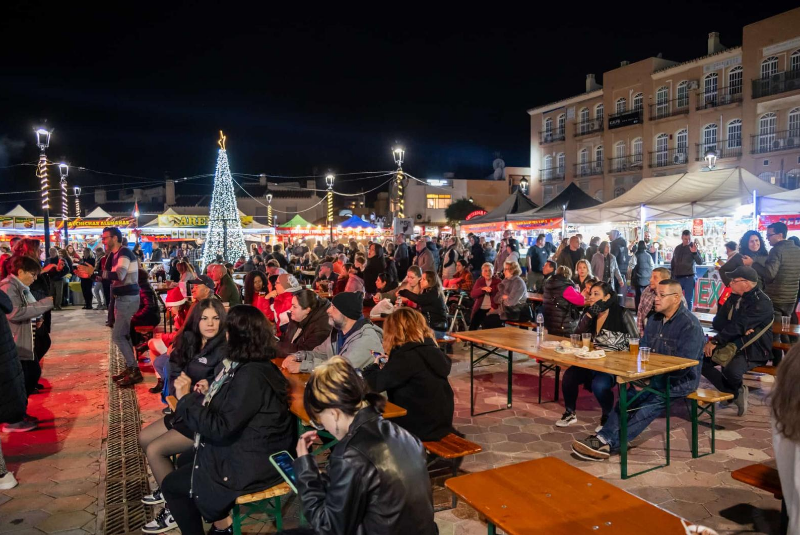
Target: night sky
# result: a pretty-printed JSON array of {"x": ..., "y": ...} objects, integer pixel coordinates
[{"x": 142, "y": 89}]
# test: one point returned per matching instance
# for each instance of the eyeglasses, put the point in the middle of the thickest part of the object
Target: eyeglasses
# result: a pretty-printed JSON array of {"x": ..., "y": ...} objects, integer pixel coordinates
[
  {"x": 662, "y": 296},
  {"x": 738, "y": 280},
  {"x": 770, "y": 235}
]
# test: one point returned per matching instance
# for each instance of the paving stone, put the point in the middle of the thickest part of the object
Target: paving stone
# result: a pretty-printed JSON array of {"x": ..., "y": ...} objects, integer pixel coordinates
[
  {"x": 71, "y": 489},
  {"x": 64, "y": 521},
  {"x": 29, "y": 502},
  {"x": 69, "y": 503},
  {"x": 21, "y": 520}
]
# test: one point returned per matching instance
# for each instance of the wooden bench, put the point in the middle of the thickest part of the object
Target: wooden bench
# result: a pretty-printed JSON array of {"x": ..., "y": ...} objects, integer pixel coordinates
[
  {"x": 447, "y": 340},
  {"x": 783, "y": 346},
  {"x": 266, "y": 501},
  {"x": 704, "y": 401},
  {"x": 529, "y": 325},
  {"x": 760, "y": 476},
  {"x": 768, "y": 370},
  {"x": 452, "y": 447}
]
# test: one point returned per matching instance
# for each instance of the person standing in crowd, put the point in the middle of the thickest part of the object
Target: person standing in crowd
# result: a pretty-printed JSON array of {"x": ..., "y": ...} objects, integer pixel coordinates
[
  {"x": 402, "y": 257},
  {"x": 369, "y": 472},
  {"x": 376, "y": 264},
  {"x": 476, "y": 257},
  {"x": 753, "y": 245},
  {"x": 605, "y": 267},
  {"x": 308, "y": 324},
  {"x": 619, "y": 248},
  {"x": 98, "y": 289},
  {"x": 642, "y": 270},
  {"x": 225, "y": 288},
  {"x": 733, "y": 260},
  {"x": 512, "y": 254},
  {"x": 594, "y": 245},
  {"x": 241, "y": 419},
  {"x": 511, "y": 300},
  {"x": 57, "y": 277},
  {"x": 157, "y": 255},
  {"x": 571, "y": 254},
  {"x": 353, "y": 337},
  {"x": 319, "y": 249},
  {"x": 13, "y": 400},
  {"x": 538, "y": 253},
  {"x": 684, "y": 259},
  {"x": 781, "y": 276},
  {"x": 502, "y": 254},
  {"x": 414, "y": 375},
  {"x": 424, "y": 259},
  {"x": 450, "y": 260},
  {"x": 430, "y": 302},
  {"x": 124, "y": 277},
  {"x": 675, "y": 331},
  {"x": 39, "y": 288},
  {"x": 647, "y": 301},
  {"x": 86, "y": 284},
  {"x": 138, "y": 253},
  {"x": 581, "y": 242},
  {"x": 744, "y": 320},
  {"x": 489, "y": 252},
  {"x": 561, "y": 302},
  {"x": 279, "y": 256},
  {"x": 785, "y": 424}
]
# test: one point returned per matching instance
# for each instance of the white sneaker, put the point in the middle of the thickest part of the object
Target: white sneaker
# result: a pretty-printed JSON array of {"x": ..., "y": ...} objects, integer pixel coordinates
[
  {"x": 8, "y": 481},
  {"x": 162, "y": 522},
  {"x": 568, "y": 418}
]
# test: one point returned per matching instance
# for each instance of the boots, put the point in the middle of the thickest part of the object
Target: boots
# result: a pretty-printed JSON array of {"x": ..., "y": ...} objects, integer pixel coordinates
[
  {"x": 133, "y": 377},
  {"x": 158, "y": 387},
  {"x": 120, "y": 375}
]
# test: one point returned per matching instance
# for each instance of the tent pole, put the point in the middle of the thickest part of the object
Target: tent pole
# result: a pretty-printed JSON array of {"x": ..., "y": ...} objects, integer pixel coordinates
[
  {"x": 755, "y": 210},
  {"x": 563, "y": 221}
]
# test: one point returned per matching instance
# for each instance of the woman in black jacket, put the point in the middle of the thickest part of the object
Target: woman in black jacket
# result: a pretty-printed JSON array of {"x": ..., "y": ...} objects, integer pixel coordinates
[
  {"x": 308, "y": 324},
  {"x": 477, "y": 258},
  {"x": 149, "y": 313},
  {"x": 561, "y": 303},
  {"x": 414, "y": 376},
  {"x": 610, "y": 326},
  {"x": 365, "y": 488},
  {"x": 238, "y": 422},
  {"x": 430, "y": 302},
  {"x": 376, "y": 264},
  {"x": 642, "y": 271},
  {"x": 13, "y": 399}
]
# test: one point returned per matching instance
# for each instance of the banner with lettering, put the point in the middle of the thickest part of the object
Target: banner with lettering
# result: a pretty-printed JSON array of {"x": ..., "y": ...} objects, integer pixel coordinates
[{"x": 792, "y": 221}]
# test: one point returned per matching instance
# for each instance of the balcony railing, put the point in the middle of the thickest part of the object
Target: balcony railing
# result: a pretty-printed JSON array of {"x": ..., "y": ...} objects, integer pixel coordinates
[
  {"x": 621, "y": 164},
  {"x": 594, "y": 168},
  {"x": 551, "y": 136},
  {"x": 551, "y": 174},
  {"x": 725, "y": 148},
  {"x": 719, "y": 97},
  {"x": 589, "y": 127},
  {"x": 625, "y": 118},
  {"x": 666, "y": 158},
  {"x": 670, "y": 108},
  {"x": 777, "y": 83},
  {"x": 774, "y": 142}
]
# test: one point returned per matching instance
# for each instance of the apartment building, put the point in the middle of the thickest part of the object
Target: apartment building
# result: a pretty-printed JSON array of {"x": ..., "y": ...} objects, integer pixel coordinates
[{"x": 657, "y": 117}]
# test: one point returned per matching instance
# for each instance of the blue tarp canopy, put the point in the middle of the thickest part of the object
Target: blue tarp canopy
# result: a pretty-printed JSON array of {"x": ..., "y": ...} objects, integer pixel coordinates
[{"x": 355, "y": 222}]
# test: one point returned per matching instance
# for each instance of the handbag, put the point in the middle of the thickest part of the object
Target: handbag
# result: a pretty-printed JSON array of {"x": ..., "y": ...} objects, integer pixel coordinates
[
  {"x": 613, "y": 341},
  {"x": 722, "y": 355}
]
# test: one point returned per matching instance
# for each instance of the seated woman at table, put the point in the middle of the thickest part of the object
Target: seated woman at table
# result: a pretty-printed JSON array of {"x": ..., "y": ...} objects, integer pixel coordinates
[
  {"x": 355, "y": 282},
  {"x": 414, "y": 376},
  {"x": 511, "y": 300},
  {"x": 308, "y": 324},
  {"x": 583, "y": 274},
  {"x": 483, "y": 293},
  {"x": 462, "y": 279},
  {"x": 430, "y": 302},
  {"x": 149, "y": 313},
  {"x": 239, "y": 421},
  {"x": 199, "y": 349},
  {"x": 365, "y": 488},
  {"x": 255, "y": 284},
  {"x": 385, "y": 283},
  {"x": 411, "y": 282},
  {"x": 562, "y": 303},
  {"x": 610, "y": 326}
]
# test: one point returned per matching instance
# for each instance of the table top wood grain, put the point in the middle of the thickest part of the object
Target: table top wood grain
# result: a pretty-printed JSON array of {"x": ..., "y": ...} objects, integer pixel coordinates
[
  {"x": 552, "y": 497},
  {"x": 625, "y": 366}
]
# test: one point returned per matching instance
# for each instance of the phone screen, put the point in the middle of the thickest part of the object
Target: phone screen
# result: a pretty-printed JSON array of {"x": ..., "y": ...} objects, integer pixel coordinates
[{"x": 283, "y": 462}]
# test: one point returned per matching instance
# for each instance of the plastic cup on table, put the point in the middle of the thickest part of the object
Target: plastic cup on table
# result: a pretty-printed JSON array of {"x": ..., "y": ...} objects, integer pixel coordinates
[
  {"x": 586, "y": 340},
  {"x": 575, "y": 339},
  {"x": 645, "y": 354},
  {"x": 786, "y": 322}
]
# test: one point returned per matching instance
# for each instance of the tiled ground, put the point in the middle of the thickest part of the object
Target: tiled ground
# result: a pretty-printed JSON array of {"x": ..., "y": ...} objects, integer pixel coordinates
[{"x": 59, "y": 473}]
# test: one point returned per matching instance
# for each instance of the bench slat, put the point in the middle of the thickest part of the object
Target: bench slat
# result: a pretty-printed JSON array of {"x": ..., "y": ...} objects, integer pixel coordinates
[
  {"x": 769, "y": 370},
  {"x": 523, "y": 324},
  {"x": 278, "y": 490},
  {"x": 760, "y": 476},
  {"x": 446, "y": 340},
  {"x": 452, "y": 446},
  {"x": 707, "y": 395}
]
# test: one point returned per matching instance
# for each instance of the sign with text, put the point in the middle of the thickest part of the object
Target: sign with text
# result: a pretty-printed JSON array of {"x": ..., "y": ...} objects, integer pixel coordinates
[
  {"x": 792, "y": 221},
  {"x": 697, "y": 227},
  {"x": 122, "y": 222},
  {"x": 476, "y": 213},
  {"x": 403, "y": 225},
  {"x": 625, "y": 119}
]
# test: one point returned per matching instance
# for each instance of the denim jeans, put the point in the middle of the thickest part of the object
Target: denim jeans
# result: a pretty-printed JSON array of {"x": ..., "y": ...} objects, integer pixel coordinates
[
  {"x": 687, "y": 285},
  {"x": 644, "y": 410},
  {"x": 125, "y": 306},
  {"x": 97, "y": 291},
  {"x": 729, "y": 378},
  {"x": 602, "y": 387}
]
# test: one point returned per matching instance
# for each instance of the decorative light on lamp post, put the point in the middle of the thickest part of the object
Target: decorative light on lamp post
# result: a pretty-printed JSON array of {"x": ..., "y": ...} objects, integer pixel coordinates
[
  {"x": 43, "y": 141},
  {"x": 329, "y": 181},
  {"x": 63, "y": 170},
  {"x": 523, "y": 186},
  {"x": 399, "y": 155},
  {"x": 269, "y": 207},
  {"x": 711, "y": 158},
  {"x": 77, "y": 190}
]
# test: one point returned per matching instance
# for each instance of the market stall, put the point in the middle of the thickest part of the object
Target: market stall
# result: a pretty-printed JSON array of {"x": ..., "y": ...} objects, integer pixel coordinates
[{"x": 495, "y": 222}]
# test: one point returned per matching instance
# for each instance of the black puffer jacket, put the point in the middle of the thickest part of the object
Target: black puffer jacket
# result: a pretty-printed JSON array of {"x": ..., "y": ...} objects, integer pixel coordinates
[
  {"x": 560, "y": 316},
  {"x": 247, "y": 420},
  {"x": 415, "y": 378},
  {"x": 750, "y": 312},
  {"x": 314, "y": 330},
  {"x": 781, "y": 272},
  {"x": 203, "y": 365},
  {"x": 431, "y": 304},
  {"x": 13, "y": 401},
  {"x": 376, "y": 482}
]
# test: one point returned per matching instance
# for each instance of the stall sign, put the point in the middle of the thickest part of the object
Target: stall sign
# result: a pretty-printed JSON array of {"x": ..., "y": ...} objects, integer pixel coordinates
[
  {"x": 403, "y": 225},
  {"x": 550, "y": 222},
  {"x": 792, "y": 221},
  {"x": 707, "y": 292},
  {"x": 474, "y": 214},
  {"x": 19, "y": 223},
  {"x": 122, "y": 222},
  {"x": 697, "y": 227},
  {"x": 485, "y": 227},
  {"x": 193, "y": 221}
]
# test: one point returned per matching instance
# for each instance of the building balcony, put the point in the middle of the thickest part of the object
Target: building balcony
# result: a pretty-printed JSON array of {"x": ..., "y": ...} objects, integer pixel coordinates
[
  {"x": 725, "y": 148},
  {"x": 670, "y": 108},
  {"x": 594, "y": 168},
  {"x": 624, "y": 164},
  {"x": 592, "y": 126},
  {"x": 775, "y": 142},
  {"x": 777, "y": 83},
  {"x": 551, "y": 174},
  {"x": 707, "y": 100},
  {"x": 625, "y": 118},
  {"x": 669, "y": 157},
  {"x": 551, "y": 136}
]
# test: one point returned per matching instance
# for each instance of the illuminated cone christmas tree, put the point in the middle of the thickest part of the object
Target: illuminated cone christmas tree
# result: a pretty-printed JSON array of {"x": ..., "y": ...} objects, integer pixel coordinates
[{"x": 224, "y": 237}]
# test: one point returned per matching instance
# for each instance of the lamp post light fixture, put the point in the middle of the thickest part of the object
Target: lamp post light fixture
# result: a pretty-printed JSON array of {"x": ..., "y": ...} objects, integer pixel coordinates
[
  {"x": 399, "y": 154},
  {"x": 63, "y": 170},
  {"x": 329, "y": 181},
  {"x": 269, "y": 208},
  {"x": 43, "y": 141},
  {"x": 77, "y": 190},
  {"x": 523, "y": 186},
  {"x": 711, "y": 158}
]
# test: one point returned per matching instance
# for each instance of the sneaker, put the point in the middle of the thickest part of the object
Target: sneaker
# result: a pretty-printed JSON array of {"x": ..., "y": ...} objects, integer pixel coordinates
[
  {"x": 134, "y": 377},
  {"x": 153, "y": 499},
  {"x": 568, "y": 418},
  {"x": 161, "y": 523},
  {"x": 166, "y": 410},
  {"x": 603, "y": 420},
  {"x": 213, "y": 530},
  {"x": 18, "y": 427},
  {"x": 591, "y": 449},
  {"x": 8, "y": 481},
  {"x": 741, "y": 399}
]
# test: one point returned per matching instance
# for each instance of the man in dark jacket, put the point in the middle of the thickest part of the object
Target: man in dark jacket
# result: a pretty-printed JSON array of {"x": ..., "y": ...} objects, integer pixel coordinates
[
  {"x": 570, "y": 255},
  {"x": 682, "y": 266},
  {"x": 781, "y": 274},
  {"x": 278, "y": 255},
  {"x": 401, "y": 256},
  {"x": 326, "y": 274},
  {"x": 537, "y": 255},
  {"x": 619, "y": 248},
  {"x": 745, "y": 318},
  {"x": 226, "y": 289}
]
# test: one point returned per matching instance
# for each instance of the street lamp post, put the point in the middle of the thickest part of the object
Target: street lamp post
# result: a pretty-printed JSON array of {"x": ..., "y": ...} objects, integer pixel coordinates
[
  {"x": 269, "y": 207},
  {"x": 63, "y": 170},
  {"x": 77, "y": 190},
  {"x": 329, "y": 181},
  {"x": 43, "y": 141},
  {"x": 523, "y": 186},
  {"x": 711, "y": 159},
  {"x": 399, "y": 155}
]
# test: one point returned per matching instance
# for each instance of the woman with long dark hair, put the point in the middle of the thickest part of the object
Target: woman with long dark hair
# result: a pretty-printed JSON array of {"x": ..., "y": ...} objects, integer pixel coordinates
[
  {"x": 237, "y": 423},
  {"x": 255, "y": 283},
  {"x": 751, "y": 245},
  {"x": 376, "y": 264},
  {"x": 308, "y": 324},
  {"x": 430, "y": 302}
]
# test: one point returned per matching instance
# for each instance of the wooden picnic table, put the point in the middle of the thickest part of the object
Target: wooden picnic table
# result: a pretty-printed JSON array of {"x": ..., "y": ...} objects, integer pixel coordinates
[
  {"x": 551, "y": 497},
  {"x": 793, "y": 330},
  {"x": 622, "y": 364},
  {"x": 535, "y": 297}
]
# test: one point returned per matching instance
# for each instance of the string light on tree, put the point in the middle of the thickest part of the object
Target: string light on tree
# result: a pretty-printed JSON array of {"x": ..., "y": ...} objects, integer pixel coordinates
[{"x": 224, "y": 236}]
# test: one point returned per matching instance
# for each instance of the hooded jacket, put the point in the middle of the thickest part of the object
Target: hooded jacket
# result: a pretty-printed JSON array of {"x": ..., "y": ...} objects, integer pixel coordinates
[
  {"x": 357, "y": 348},
  {"x": 560, "y": 316},
  {"x": 431, "y": 303},
  {"x": 619, "y": 249},
  {"x": 21, "y": 314},
  {"x": 203, "y": 365},
  {"x": 307, "y": 334},
  {"x": 415, "y": 378},
  {"x": 13, "y": 400}
]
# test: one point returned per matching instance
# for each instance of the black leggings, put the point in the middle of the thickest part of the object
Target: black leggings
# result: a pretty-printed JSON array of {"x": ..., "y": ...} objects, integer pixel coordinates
[
  {"x": 32, "y": 372},
  {"x": 86, "y": 289},
  {"x": 175, "y": 489}
]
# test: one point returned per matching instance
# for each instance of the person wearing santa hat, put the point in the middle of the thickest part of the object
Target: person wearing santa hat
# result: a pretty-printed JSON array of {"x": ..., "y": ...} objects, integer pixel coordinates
[{"x": 178, "y": 306}]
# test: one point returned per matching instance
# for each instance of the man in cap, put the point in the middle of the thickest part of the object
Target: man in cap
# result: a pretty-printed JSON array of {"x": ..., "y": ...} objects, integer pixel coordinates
[
  {"x": 745, "y": 320},
  {"x": 353, "y": 337},
  {"x": 202, "y": 288},
  {"x": 327, "y": 275}
]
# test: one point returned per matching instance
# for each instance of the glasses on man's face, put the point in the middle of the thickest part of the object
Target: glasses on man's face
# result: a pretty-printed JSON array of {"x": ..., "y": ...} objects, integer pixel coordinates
[
  {"x": 770, "y": 235},
  {"x": 662, "y": 296},
  {"x": 738, "y": 280}
]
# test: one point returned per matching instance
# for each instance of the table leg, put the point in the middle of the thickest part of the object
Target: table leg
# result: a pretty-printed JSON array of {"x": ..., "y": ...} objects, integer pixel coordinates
[
  {"x": 471, "y": 373},
  {"x": 667, "y": 403},
  {"x": 510, "y": 363},
  {"x": 623, "y": 420},
  {"x": 492, "y": 530}
]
